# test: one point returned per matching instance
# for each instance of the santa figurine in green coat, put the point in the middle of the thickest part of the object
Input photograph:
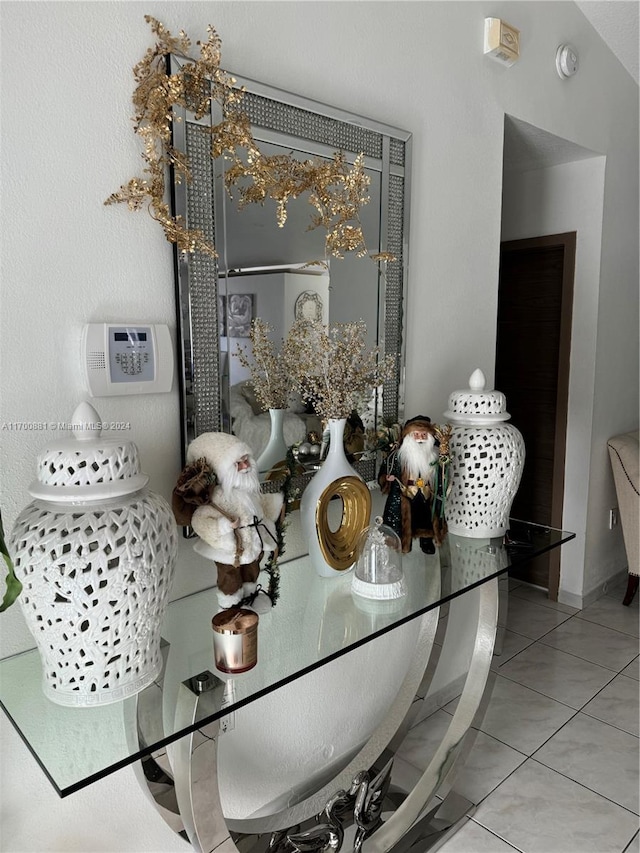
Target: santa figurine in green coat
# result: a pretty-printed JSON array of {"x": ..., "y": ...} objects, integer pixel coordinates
[{"x": 414, "y": 477}]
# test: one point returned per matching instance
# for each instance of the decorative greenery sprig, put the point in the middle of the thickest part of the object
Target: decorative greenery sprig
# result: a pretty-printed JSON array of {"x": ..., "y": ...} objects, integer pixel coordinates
[
  {"x": 269, "y": 371},
  {"x": 331, "y": 366},
  {"x": 13, "y": 585},
  {"x": 271, "y": 567},
  {"x": 385, "y": 438},
  {"x": 336, "y": 191}
]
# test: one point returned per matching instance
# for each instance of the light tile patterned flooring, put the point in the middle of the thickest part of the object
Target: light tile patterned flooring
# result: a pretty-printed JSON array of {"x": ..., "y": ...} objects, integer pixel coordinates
[{"x": 554, "y": 768}]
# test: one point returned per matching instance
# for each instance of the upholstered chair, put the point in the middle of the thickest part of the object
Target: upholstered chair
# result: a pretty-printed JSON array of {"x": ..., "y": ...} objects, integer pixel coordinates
[{"x": 623, "y": 452}]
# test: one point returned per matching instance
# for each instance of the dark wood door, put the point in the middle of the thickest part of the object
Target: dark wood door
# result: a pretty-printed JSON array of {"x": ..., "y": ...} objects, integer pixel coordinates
[{"x": 532, "y": 369}]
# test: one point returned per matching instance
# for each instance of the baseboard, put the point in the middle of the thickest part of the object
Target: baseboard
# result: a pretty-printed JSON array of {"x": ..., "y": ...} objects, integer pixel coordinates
[
  {"x": 582, "y": 601},
  {"x": 571, "y": 599},
  {"x": 620, "y": 577}
]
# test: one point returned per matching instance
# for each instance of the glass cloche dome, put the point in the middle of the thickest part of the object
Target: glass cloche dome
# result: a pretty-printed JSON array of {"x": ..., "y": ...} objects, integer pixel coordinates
[{"x": 378, "y": 572}]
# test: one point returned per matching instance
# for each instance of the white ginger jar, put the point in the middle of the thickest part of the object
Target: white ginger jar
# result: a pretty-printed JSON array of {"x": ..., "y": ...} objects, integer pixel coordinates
[
  {"x": 95, "y": 552},
  {"x": 487, "y": 458}
]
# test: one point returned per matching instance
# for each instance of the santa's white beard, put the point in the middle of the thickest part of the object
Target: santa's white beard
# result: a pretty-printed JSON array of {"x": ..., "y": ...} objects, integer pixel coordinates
[
  {"x": 246, "y": 480},
  {"x": 244, "y": 486},
  {"x": 416, "y": 457}
]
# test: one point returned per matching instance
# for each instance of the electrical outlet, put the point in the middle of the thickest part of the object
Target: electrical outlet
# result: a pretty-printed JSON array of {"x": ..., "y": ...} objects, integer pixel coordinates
[
  {"x": 228, "y": 723},
  {"x": 613, "y": 517}
]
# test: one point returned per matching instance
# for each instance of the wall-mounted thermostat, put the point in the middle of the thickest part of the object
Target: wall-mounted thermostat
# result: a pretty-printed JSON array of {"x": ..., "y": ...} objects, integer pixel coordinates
[
  {"x": 127, "y": 358},
  {"x": 501, "y": 41}
]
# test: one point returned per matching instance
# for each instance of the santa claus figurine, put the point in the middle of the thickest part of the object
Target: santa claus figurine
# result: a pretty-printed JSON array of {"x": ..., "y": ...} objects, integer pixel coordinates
[
  {"x": 410, "y": 478},
  {"x": 218, "y": 494}
]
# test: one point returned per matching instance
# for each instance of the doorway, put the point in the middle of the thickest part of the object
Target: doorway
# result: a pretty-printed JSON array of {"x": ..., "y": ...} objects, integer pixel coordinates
[{"x": 535, "y": 299}]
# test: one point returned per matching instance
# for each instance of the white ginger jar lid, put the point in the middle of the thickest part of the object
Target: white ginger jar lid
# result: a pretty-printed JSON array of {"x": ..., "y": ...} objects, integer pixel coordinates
[
  {"x": 475, "y": 406},
  {"x": 86, "y": 466}
]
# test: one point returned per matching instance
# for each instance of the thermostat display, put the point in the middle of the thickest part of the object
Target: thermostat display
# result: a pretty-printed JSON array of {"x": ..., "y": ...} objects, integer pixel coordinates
[{"x": 127, "y": 358}]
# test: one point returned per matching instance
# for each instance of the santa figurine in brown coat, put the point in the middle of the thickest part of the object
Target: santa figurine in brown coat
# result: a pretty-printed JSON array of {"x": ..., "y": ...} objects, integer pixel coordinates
[
  {"x": 410, "y": 477},
  {"x": 218, "y": 494}
]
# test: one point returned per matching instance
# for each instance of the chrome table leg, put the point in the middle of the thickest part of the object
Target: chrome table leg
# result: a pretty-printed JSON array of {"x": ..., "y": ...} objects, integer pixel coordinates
[
  {"x": 440, "y": 772},
  {"x": 194, "y": 762}
]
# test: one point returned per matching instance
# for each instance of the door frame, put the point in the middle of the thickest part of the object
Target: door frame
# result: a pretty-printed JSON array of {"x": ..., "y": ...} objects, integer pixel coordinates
[{"x": 568, "y": 241}]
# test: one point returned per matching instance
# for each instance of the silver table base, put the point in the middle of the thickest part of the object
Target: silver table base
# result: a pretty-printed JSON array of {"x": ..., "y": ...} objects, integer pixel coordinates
[{"x": 184, "y": 785}]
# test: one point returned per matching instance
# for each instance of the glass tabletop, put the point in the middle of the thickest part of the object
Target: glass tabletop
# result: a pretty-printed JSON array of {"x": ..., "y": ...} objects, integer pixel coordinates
[{"x": 315, "y": 620}]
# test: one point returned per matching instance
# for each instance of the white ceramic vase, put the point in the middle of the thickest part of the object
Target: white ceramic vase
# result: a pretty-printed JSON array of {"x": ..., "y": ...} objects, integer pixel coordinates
[
  {"x": 276, "y": 449},
  {"x": 95, "y": 552},
  {"x": 335, "y": 467}
]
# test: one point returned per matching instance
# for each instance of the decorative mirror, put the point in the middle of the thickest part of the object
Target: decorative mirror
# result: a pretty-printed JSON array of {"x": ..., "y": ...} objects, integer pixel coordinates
[{"x": 279, "y": 273}]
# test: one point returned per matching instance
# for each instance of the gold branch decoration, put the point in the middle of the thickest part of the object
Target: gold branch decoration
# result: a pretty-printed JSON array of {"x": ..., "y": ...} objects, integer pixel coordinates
[
  {"x": 336, "y": 191},
  {"x": 154, "y": 97}
]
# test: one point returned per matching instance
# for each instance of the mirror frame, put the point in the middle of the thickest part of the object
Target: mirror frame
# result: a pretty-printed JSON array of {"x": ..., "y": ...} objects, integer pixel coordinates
[{"x": 281, "y": 117}]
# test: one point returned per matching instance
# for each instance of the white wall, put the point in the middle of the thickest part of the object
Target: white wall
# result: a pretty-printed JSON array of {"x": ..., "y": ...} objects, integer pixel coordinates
[
  {"x": 562, "y": 198},
  {"x": 67, "y": 143}
]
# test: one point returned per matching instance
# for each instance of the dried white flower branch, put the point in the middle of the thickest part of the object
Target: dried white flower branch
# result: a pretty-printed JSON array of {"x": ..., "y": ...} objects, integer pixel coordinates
[
  {"x": 332, "y": 366},
  {"x": 269, "y": 370}
]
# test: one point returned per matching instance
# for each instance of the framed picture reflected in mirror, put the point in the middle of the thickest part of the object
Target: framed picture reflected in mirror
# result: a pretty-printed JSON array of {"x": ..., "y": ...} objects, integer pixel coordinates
[
  {"x": 239, "y": 314},
  {"x": 309, "y": 306}
]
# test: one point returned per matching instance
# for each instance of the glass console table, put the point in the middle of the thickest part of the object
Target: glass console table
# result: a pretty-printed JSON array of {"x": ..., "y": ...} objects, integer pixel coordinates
[{"x": 179, "y": 732}]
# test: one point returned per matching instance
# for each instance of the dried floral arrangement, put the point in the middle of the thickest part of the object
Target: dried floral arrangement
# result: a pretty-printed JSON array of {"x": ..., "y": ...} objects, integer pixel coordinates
[
  {"x": 269, "y": 371},
  {"x": 332, "y": 368},
  {"x": 336, "y": 191}
]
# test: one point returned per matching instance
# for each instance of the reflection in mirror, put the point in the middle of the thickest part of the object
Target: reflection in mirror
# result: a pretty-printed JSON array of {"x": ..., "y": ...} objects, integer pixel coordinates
[
  {"x": 276, "y": 273},
  {"x": 278, "y": 291}
]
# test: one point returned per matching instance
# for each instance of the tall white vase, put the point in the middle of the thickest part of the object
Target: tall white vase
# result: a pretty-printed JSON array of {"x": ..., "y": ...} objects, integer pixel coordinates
[
  {"x": 335, "y": 467},
  {"x": 276, "y": 449}
]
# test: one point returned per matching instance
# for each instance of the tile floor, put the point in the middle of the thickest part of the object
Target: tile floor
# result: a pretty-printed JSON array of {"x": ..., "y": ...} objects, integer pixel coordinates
[{"x": 554, "y": 768}]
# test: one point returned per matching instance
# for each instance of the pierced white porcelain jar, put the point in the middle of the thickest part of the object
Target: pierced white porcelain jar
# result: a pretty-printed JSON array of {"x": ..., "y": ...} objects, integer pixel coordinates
[
  {"x": 95, "y": 552},
  {"x": 487, "y": 458}
]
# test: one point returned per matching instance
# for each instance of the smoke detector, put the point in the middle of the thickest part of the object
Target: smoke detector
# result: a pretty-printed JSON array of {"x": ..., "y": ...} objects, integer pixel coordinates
[{"x": 566, "y": 60}]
